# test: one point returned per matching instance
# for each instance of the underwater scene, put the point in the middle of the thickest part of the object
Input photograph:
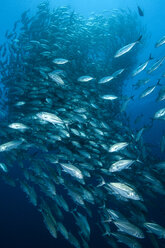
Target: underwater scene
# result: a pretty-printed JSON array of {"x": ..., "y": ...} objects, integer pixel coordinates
[{"x": 82, "y": 124}]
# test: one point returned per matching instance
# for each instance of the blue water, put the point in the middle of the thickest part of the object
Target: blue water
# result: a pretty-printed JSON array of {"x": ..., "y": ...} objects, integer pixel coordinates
[{"x": 20, "y": 224}]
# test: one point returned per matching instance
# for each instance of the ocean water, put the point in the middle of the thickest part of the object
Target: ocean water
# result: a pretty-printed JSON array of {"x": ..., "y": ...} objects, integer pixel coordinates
[{"x": 21, "y": 224}]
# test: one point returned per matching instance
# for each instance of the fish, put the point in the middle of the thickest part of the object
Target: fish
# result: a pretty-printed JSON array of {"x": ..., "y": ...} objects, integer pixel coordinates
[
  {"x": 85, "y": 228},
  {"x": 118, "y": 146},
  {"x": 139, "y": 133},
  {"x": 30, "y": 192},
  {"x": 56, "y": 78},
  {"x": 85, "y": 79},
  {"x": 160, "y": 42},
  {"x": 155, "y": 228},
  {"x": 118, "y": 72},
  {"x": 109, "y": 97},
  {"x": 126, "y": 103},
  {"x": 141, "y": 67},
  {"x": 120, "y": 165},
  {"x": 127, "y": 240},
  {"x": 140, "y": 11},
  {"x": 127, "y": 48},
  {"x": 140, "y": 83},
  {"x": 106, "y": 79},
  {"x": 3, "y": 167},
  {"x": 124, "y": 190},
  {"x": 61, "y": 228},
  {"x": 129, "y": 228},
  {"x": 70, "y": 149},
  {"x": 60, "y": 61},
  {"x": 161, "y": 94},
  {"x": 147, "y": 91},
  {"x": 73, "y": 240},
  {"x": 21, "y": 103},
  {"x": 50, "y": 224},
  {"x": 18, "y": 126},
  {"x": 159, "y": 166},
  {"x": 160, "y": 114},
  {"x": 72, "y": 170},
  {"x": 11, "y": 145},
  {"x": 49, "y": 117},
  {"x": 156, "y": 65}
]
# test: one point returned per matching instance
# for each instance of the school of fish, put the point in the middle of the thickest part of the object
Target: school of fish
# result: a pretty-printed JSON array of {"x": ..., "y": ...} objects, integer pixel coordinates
[{"x": 63, "y": 128}]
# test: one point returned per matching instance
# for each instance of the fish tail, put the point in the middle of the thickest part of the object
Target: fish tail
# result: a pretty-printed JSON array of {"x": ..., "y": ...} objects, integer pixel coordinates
[
  {"x": 73, "y": 210},
  {"x": 150, "y": 57},
  {"x": 139, "y": 39},
  {"x": 102, "y": 182},
  {"x": 139, "y": 161},
  {"x": 132, "y": 97},
  {"x": 158, "y": 83},
  {"x": 106, "y": 234},
  {"x": 102, "y": 207},
  {"x": 107, "y": 221}
]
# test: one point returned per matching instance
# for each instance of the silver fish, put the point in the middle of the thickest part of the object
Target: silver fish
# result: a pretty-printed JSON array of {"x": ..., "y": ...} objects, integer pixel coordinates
[
  {"x": 124, "y": 190},
  {"x": 10, "y": 145},
  {"x": 21, "y": 103},
  {"x": 72, "y": 170},
  {"x": 117, "y": 73},
  {"x": 109, "y": 97},
  {"x": 3, "y": 167},
  {"x": 160, "y": 114},
  {"x": 85, "y": 79},
  {"x": 105, "y": 79},
  {"x": 156, "y": 65},
  {"x": 129, "y": 228},
  {"x": 160, "y": 42},
  {"x": 127, "y": 240},
  {"x": 60, "y": 61},
  {"x": 155, "y": 228},
  {"x": 56, "y": 78},
  {"x": 18, "y": 126},
  {"x": 121, "y": 165},
  {"x": 147, "y": 91},
  {"x": 118, "y": 146},
  {"x": 127, "y": 48},
  {"x": 141, "y": 67},
  {"x": 49, "y": 117}
]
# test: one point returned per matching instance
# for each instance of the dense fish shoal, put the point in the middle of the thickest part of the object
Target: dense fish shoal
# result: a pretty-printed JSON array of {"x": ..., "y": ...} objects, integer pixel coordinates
[{"x": 64, "y": 129}]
